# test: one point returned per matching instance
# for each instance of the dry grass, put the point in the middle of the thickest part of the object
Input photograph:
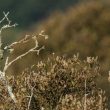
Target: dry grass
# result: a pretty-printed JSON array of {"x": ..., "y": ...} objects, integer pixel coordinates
[{"x": 57, "y": 83}]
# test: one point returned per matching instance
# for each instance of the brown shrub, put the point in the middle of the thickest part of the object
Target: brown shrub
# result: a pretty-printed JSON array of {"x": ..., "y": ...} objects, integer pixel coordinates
[{"x": 57, "y": 83}]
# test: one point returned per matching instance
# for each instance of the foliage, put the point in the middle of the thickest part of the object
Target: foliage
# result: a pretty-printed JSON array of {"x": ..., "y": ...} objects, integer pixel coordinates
[{"x": 57, "y": 83}]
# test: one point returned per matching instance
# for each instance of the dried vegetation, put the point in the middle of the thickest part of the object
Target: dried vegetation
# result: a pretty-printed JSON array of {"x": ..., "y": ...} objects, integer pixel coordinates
[{"x": 58, "y": 83}]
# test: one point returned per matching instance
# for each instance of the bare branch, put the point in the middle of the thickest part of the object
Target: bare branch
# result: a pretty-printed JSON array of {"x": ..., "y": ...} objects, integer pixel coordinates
[
  {"x": 10, "y": 47},
  {"x": 8, "y": 25},
  {"x": 5, "y": 15},
  {"x": 7, "y": 65},
  {"x": 2, "y": 73},
  {"x": 30, "y": 98}
]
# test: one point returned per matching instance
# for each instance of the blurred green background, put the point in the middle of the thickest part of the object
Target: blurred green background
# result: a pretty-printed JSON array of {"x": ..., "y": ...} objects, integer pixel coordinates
[{"x": 27, "y": 12}]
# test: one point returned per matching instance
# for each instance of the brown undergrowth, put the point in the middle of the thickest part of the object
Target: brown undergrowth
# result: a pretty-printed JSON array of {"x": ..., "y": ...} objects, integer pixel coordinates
[{"x": 58, "y": 83}]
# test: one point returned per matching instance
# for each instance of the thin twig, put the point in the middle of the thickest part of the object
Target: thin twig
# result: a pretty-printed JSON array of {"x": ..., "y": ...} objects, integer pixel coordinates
[
  {"x": 29, "y": 103},
  {"x": 85, "y": 97},
  {"x": 2, "y": 73}
]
